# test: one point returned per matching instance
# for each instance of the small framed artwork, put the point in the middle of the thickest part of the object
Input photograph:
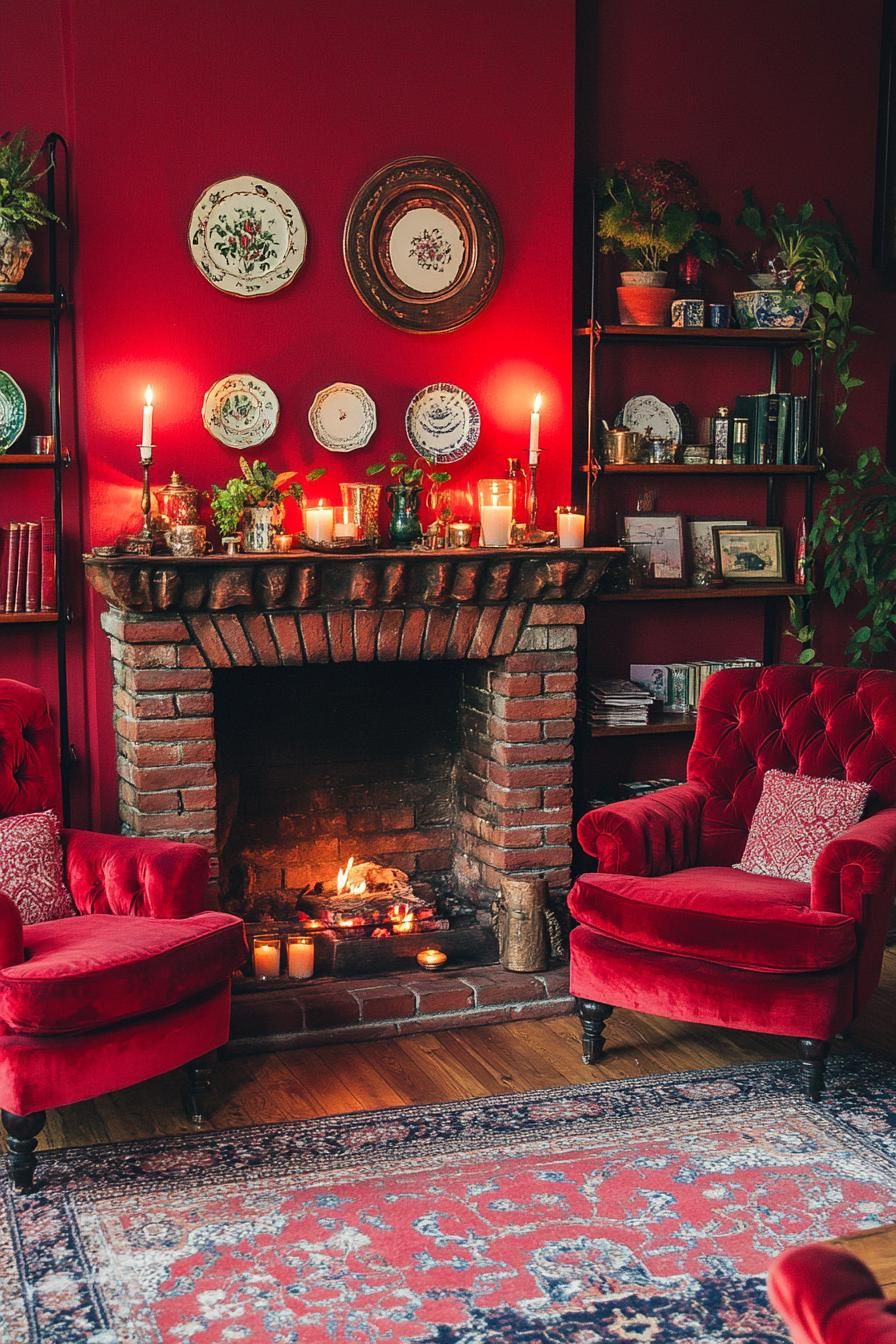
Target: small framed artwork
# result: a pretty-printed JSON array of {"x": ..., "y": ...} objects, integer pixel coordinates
[
  {"x": 702, "y": 545},
  {"x": 655, "y": 543},
  {"x": 750, "y": 554}
]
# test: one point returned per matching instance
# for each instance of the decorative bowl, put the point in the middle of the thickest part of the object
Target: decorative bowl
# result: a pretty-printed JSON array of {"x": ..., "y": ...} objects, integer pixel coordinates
[
  {"x": 766, "y": 308},
  {"x": 762, "y": 279}
]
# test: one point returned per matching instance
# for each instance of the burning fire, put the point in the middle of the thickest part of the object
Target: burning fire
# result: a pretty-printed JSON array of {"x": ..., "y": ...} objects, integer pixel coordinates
[
  {"x": 402, "y": 917},
  {"x": 343, "y": 886}
]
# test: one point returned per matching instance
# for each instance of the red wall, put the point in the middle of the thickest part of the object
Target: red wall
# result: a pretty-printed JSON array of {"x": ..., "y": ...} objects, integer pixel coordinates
[{"x": 168, "y": 97}]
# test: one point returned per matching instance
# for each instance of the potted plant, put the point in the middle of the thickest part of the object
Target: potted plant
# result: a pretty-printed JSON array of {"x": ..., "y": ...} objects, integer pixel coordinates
[
  {"x": 404, "y": 495},
  {"x": 810, "y": 264},
  {"x": 21, "y": 208},
  {"x": 649, "y": 212},
  {"x": 855, "y": 533},
  {"x": 254, "y": 500}
]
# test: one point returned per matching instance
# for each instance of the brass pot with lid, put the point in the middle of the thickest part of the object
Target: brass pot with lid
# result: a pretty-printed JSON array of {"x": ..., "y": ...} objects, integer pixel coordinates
[{"x": 178, "y": 502}]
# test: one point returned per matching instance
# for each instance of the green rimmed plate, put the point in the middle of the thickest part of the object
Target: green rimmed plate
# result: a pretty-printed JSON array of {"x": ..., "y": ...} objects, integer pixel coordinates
[{"x": 12, "y": 411}]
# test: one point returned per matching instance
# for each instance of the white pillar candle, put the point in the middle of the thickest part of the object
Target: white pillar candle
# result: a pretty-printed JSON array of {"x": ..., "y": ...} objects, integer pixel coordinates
[
  {"x": 300, "y": 957},
  {"x": 319, "y": 522},
  {"x": 534, "y": 430},
  {"x": 497, "y": 520},
  {"x": 570, "y": 529},
  {"x": 266, "y": 957}
]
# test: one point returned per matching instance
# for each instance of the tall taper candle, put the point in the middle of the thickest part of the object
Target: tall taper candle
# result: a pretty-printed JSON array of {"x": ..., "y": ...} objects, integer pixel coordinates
[
  {"x": 146, "y": 438},
  {"x": 534, "y": 427}
]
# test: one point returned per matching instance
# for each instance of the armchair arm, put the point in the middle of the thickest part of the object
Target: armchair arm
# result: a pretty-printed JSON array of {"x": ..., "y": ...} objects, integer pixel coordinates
[
  {"x": 855, "y": 875},
  {"x": 648, "y": 836},
  {"x": 11, "y": 944},
  {"x": 126, "y": 875}
]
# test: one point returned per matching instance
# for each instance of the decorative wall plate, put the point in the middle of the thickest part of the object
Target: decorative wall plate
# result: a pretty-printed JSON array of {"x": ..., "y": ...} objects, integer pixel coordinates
[
  {"x": 422, "y": 245},
  {"x": 442, "y": 423},
  {"x": 342, "y": 417},
  {"x": 247, "y": 236},
  {"x": 240, "y": 411},
  {"x": 13, "y": 408},
  {"x": 650, "y": 416}
]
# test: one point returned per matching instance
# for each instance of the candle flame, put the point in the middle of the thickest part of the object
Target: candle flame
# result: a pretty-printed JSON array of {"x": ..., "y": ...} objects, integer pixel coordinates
[
  {"x": 536, "y": 405},
  {"x": 148, "y": 394}
]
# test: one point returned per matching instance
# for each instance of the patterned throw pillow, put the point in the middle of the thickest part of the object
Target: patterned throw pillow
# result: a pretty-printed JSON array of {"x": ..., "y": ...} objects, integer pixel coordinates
[
  {"x": 795, "y": 818},
  {"x": 31, "y": 867}
]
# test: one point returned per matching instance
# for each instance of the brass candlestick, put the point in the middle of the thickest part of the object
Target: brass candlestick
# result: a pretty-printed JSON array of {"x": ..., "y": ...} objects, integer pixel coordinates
[
  {"x": 141, "y": 543},
  {"x": 534, "y": 535}
]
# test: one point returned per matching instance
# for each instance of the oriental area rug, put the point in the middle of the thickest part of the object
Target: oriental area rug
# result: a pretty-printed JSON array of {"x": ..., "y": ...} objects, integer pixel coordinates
[{"x": 644, "y": 1211}]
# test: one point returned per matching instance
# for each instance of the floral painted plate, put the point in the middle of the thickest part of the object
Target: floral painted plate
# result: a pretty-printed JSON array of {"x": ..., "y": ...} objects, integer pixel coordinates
[
  {"x": 442, "y": 423},
  {"x": 651, "y": 417},
  {"x": 12, "y": 411},
  {"x": 240, "y": 411},
  {"x": 247, "y": 236},
  {"x": 342, "y": 417}
]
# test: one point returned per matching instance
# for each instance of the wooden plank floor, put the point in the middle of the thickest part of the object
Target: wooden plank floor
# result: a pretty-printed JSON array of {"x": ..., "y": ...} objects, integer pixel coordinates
[{"x": 453, "y": 1065}]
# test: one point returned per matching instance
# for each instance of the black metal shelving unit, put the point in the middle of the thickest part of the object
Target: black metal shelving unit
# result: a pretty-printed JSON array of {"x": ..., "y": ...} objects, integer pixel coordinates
[{"x": 52, "y": 307}]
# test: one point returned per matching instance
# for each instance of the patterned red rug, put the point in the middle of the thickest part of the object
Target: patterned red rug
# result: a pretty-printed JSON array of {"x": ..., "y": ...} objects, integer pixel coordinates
[{"x": 644, "y": 1211}]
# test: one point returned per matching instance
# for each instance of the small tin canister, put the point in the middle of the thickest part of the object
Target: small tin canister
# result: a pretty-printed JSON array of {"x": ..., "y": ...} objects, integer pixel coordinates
[{"x": 460, "y": 534}]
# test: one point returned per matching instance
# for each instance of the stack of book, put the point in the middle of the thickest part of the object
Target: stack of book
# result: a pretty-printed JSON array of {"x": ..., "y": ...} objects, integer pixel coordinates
[
  {"x": 28, "y": 567},
  {"x": 617, "y": 703},
  {"x": 778, "y": 433},
  {"x": 678, "y": 685}
]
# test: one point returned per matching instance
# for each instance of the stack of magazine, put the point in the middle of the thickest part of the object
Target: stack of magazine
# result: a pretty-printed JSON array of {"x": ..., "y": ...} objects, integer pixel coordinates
[{"x": 617, "y": 703}]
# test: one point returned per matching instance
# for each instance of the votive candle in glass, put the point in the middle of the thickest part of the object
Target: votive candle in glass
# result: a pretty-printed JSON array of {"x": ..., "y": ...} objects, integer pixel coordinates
[
  {"x": 319, "y": 521},
  {"x": 495, "y": 511},
  {"x": 266, "y": 956},
  {"x": 431, "y": 958},
  {"x": 570, "y": 528},
  {"x": 344, "y": 526},
  {"x": 299, "y": 956}
]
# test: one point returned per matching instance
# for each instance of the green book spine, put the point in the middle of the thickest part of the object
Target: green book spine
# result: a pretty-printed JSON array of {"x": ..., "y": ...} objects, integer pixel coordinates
[
  {"x": 785, "y": 411},
  {"x": 759, "y": 437}
]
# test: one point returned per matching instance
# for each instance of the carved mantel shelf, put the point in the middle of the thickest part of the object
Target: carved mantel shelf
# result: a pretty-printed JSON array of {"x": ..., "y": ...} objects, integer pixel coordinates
[{"x": 387, "y": 578}]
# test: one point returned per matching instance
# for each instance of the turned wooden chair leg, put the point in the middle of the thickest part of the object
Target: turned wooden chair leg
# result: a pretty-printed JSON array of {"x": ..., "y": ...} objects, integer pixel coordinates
[
  {"x": 21, "y": 1141},
  {"x": 814, "y": 1056},
  {"x": 199, "y": 1087},
  {"x": 594, "y": 1017}
]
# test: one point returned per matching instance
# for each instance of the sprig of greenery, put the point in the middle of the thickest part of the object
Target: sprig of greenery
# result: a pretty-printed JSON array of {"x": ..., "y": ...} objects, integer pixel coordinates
[
  {"x": 650, "y": 211},
  {"x": 408, "y": 474},
  {"x": 855, "y": 532},
  {"x": 20, "y": 206},
  {"x": 815, "y": 257},
  {"x": 258, "y": 485}
]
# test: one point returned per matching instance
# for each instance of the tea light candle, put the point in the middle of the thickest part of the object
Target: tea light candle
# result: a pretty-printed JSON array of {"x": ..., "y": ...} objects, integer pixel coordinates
[
  {"x": 344, "y": 525},
  {"x": 266, "y": 956},
  {"x": 319, "y": 522},
  {"x": 570, "y": 529},
  {"x": 299, "y": 956},
  {"x": 431, "y": 958}
]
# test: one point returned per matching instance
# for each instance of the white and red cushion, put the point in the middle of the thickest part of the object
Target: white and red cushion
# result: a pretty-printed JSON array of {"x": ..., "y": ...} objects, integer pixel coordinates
[
  {"x": 795, "y": 818},
  {"x": 31, "y": 867}
]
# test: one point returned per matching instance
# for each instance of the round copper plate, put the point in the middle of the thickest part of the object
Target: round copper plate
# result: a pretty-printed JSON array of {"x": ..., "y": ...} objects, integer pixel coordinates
[{"x": 422, "y": 245}]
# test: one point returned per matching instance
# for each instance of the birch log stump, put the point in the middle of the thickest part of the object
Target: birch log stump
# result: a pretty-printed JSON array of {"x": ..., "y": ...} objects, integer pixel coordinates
[{"x": 520, "y": 924}]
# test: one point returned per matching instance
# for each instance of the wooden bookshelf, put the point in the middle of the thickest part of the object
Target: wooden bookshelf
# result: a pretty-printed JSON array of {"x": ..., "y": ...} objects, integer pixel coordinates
[
  {"x": 721, "y": 594},
  {"x": 662, "y": 723},
  {"x": 697, "y": 335},
  {"x": 28, "y": 460},
  {"x": 706, "y": 469},
  {"x": 28, "y": 617}
]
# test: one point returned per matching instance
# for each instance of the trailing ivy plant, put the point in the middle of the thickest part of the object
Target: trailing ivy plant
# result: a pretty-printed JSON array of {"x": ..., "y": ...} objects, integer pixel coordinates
[
  {"x": 814, "y": 257},
  {"x": 853, "y": 540},
  {"x": 21, "y": 208}
]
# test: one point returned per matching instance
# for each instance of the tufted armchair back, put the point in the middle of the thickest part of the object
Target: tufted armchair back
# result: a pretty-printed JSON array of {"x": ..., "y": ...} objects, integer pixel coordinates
[
  {"x": 29, "y": 751},
  {"x": 832, "y": 722}
]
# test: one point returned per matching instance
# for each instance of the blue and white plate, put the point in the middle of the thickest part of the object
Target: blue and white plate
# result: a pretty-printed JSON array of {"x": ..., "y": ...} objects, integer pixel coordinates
[
  {"x": 652, "y": 418},
  {"x": 13, "y": 408},
  {"x": 442, "y": 423}
]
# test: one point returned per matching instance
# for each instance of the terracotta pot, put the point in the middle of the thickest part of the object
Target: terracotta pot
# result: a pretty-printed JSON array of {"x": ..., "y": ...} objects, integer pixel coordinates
[
  {"x": 644, "y": 305},
  {"x": 655, "y": 278}
]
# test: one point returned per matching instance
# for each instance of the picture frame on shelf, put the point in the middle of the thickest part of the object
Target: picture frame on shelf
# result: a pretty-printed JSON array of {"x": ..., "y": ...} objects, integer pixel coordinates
[
  {"x": 750, "y": 554},
  {"x": 702, "y": 546},
  {"x": 655, "y": 546}
]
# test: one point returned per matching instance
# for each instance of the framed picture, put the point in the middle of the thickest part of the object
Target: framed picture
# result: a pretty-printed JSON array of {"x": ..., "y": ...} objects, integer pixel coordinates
[
  {"x": 701, "y": 543},
  {"x": 750, "y": 554},
  {"x": 655, "y": 543},
  {"x": 423, "y": 245}
]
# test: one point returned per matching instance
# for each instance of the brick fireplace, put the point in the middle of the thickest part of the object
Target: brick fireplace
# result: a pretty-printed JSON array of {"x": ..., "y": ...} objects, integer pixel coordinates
[{"x": 427, "y": 706}]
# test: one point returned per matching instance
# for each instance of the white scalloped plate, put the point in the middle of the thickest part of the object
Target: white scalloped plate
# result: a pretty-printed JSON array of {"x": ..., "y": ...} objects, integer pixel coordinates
[
  {"x": 442, "y": 423},
  {"x": 240, "y": 411},
  {"x": 342, "y": 417},
  {"x": 247, "y": 236}
]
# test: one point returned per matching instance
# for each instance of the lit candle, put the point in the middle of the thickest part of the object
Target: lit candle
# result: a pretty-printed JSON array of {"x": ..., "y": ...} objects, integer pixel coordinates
[
  {"x": 266, "y": 956},
  {"x": 319, "y": 522},
  {"x": 570, "y": 529},
  {"x": 496, "y": 511},
  {"x": 299, "y": 956},
  {"x": 146, "y": 439},
  {"x": 431, "y": 958},
  {"x": 344, "y": 525},
  {"x": 534, "y": 429}
]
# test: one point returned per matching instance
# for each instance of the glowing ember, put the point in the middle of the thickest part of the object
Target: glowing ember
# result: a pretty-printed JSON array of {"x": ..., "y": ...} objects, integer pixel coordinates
[
  {"x": 346, "y": 888},
  {"x": 403, "y": 919}
]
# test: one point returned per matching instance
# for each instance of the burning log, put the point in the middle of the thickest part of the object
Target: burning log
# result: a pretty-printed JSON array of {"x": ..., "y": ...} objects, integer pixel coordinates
[{"x": 367, "y": 897}]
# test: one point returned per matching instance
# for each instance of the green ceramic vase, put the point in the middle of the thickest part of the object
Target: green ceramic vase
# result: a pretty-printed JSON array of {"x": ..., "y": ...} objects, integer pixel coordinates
[{"x": 404, "y": 524}]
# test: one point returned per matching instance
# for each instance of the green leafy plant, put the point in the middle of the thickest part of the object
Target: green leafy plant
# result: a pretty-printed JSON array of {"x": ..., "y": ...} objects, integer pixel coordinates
[
  {"x": 853, "y": 544},
  {"x": 21, "y": 208},
  {"x": 648, "y": 211},
  {"x": 257, "y": 485},
  {"x": 814, "y": 257},
  {"x": 408, "y": 473}
]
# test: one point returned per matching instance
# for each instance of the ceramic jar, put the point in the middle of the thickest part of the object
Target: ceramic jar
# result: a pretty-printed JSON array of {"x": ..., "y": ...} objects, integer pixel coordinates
[
  {"x": 259, "y": 526},
  {"x": 15, "y": 254}
]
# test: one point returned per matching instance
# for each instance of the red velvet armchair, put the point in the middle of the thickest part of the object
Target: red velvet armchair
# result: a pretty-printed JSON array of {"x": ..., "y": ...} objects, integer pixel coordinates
[
  {"x": 136, "y": 984},
  {"x": 668, "y": 926},
  {"x": 827, "y": 1296}
]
